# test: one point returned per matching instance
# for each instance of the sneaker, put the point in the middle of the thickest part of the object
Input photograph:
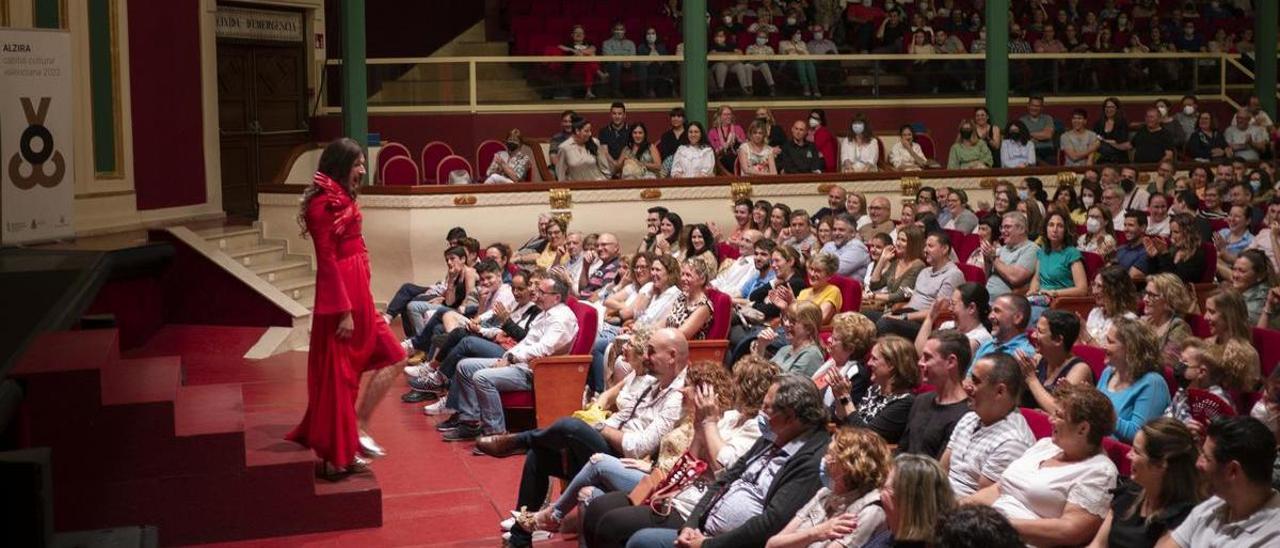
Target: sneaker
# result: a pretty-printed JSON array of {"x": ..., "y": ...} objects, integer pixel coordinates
[
  {"x": 450, "y": 423},
  {"x": 416, "y": 370},
  {"x": 414, "y": 396},
  {"x": 407, "y": 345},
  {"x": 436, "y": 408},
  {"x": 436, "y": 380},
  {"x": 421, "y": 384},
  {"x": 466, "y": 431}
]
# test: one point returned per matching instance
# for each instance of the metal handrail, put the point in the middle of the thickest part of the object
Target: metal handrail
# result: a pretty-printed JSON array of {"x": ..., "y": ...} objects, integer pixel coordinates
[{"x": 518, "y": 59}]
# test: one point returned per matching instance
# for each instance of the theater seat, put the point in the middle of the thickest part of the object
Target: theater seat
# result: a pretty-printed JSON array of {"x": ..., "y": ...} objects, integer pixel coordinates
[
  {"x": 850, "y": 293},
  {"x": 714, "y": 347},
  {"x": 1038, "y": 421},
  {"x": 558, "y": 381},
  {"x": 485, "y": 152},
  {"x": 1118, "y": 452},
  {"x": 973, "y": 274},
  {"x": 1267, "y": 341},
  {"x": 1094, "y": 356},
  {"x": 399, "y": 171},
  {"x": 388, "y": 151},
  {"x": 1092, "y": 264}
]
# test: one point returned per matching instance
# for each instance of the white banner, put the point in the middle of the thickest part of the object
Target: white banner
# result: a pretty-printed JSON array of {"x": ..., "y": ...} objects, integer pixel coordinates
[
  {"x": 254, "y": 24},
  {"x": 36, "y": 161}
]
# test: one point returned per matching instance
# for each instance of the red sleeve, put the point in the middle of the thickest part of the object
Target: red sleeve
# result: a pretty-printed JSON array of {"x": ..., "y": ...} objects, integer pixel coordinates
[
  {"x": 827, "y": 146},
  {"x": 331, "y": 292}
]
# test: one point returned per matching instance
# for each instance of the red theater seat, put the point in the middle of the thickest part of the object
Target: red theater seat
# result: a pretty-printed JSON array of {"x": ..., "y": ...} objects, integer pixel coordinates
[
  {"x": 1038, "y": 421},
  {"x": 399, "y": 171},
  {"x": 1267, "y": 341},
  {"x": 714, "y": 347},
  {"x": 430, "y": 159},
  {"x": 1092, "y": 355},
  {"x": 973, "y": 274},
  {"x": 391, "y": 150},
  {"x": 1092, "y": 264},
  {"x": 485, "y": 152},
  {"x": 1118, "y": 452},
  {"x": 850, "y": 293},
  {"x": 450, "y": 164}
]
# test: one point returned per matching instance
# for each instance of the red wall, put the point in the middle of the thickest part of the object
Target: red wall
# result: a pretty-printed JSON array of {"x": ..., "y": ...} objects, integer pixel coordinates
[
  {"x": 464, "y": 131},
  {"x": 164, "y": 79}
]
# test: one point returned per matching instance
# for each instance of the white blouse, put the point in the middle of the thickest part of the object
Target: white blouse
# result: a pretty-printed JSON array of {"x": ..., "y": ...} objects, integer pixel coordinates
[
  {"x": 1029, "y": 490},
  {"x": 738, "y": 435},
  {"x": 1098, "y": 325},
  {"x": 903, "y": 160},
  {"x": 859, "y": 158},
  {"x": 691, "y": 161}
]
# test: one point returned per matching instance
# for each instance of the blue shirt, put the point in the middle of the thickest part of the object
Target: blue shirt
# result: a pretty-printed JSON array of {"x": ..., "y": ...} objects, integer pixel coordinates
[
  {"x": 1237, "y": 247},
  {"x": 756, "y": 281},
  {"x": 853, "y": 256},
  {"x": 1132, "y": 254},
  {"x": 1142, "y": 401},
  {"x": 1020, "y": 343}
]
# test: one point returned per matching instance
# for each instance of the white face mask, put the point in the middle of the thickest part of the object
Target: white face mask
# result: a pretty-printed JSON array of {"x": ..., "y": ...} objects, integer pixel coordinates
[
  {"x": 762, "y": 41},
  {"x": 1188, "y": 110},
  {"x": 1092, "y": 225},
  {"x": 817, "y": 36},
  {"x": 1087, "y": 201},
  {"x": 814, "y": 122},
  {"x": 858, "y": 127}
]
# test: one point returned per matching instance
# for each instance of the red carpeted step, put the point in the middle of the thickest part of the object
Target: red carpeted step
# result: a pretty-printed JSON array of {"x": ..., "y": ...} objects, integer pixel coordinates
[
  {"x": 264, "y": 443},
  {"x": 61, "y": 351},
  {"x": 209, "y": 409},
  {"x": 144, "y": 380}
]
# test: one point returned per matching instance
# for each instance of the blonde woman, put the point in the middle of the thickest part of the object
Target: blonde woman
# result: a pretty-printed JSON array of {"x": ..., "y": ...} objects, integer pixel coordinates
[
  {"x": 845, "y": 511},
  {"x": 1137, "y": 391},
  {"x": 1165, "y": 301},
  {"x": 802, "y": 320},
  {"x": 896, "y": 270},
  {"x": 845, "y": 374},
  {"x": 915, "y": 493},
  {"x": 756, "y": 157}
]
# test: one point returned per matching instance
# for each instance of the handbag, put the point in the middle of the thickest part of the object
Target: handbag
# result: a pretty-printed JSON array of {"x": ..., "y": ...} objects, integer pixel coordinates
[{"x": 684, "y": 473}]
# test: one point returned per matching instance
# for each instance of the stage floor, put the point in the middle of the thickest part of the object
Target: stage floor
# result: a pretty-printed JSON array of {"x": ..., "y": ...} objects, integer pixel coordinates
[{"x": 434, "y": 493}]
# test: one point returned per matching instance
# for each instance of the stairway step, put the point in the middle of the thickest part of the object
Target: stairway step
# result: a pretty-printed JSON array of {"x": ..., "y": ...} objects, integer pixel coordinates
[
  {"x": 291, "y": 284},
  {"x": 61, "y": 351},
  {"x": 258, "y": 254},
  {"x": 264, "y": 443},
  {"x": 209, "y": 409},
  {"x": 229, "y": 231},
  {"x": 143, "y": 380},
  {"x": 287, "y": 264}
]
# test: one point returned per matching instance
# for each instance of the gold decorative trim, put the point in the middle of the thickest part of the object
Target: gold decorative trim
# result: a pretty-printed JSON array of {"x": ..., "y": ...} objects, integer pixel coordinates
[
  {"x": 4, "y": 13},
  {"x": 910, "y": 185},
  {"x": 650, "y": 194},
  {"x": 116, "y": 111},
  {"x": 988, "y": 183},
  {"x": 740, "y": 191},
  {"x": 561, "y": 198},
  {"x": 106, "y": 194},
  {"x": 464, "y": 200},
  {"x": 1066, "y": 178},
  {"x": 824, "y": 188}
]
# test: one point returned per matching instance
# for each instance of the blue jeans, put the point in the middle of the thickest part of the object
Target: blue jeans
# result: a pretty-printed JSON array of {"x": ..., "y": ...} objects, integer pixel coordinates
[
  {"x": 399, "y": 304},
  {"x": 548, "y": 448},
  {"x": 415, "y": 316},
  {"x": 469, "y": 347},
  {"x": 653, "y": 537},
  {"x": 479, "y": 394},
  {"x": 605, "y": 473},
  {"x": 595, "y": 375}
]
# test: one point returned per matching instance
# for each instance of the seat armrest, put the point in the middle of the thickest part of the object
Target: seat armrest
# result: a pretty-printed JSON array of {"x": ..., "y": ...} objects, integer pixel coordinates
[
  {"x": 558, "y": 382},
  {"x": 713, "y": 350}
]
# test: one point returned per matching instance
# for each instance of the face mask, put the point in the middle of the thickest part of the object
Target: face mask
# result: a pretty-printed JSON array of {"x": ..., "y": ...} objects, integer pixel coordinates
[
  {"x": 1092, "y": 225},
  {"x": 618, "y": 34},
  {"x": 966, "y": 134},
  {"x": 791, "y": 21},
  {"x": 1024, "y": 194},
  {"x": 1180, "y": 373},
  {"x": 513, "y": 146},
  {"x": 1188, "y": 110},
  {"x": 858, "y": 127},
  {"x": 762, "y": 41},
  {"x": 728, "y": 20},
  {"x": 762, "y": 421},
  {"x": 818, "y": 35},
  {"x": 823, "y": 476},
  {"x": 814, "y": 122},
  {"x": 1087, "y": 201},
  {"x": 1163, "y": 110},
  {"x": 797, "y": 38},
  {"x": 1255, "y": 185}
]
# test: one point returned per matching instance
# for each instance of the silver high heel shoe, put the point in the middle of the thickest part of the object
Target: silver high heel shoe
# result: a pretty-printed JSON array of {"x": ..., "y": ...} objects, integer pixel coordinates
[{"x": 371, "y": 448}]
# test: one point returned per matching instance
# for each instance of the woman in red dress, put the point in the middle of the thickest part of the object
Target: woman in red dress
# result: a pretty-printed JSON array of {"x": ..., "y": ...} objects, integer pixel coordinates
[{"x": 348, "y": 336}]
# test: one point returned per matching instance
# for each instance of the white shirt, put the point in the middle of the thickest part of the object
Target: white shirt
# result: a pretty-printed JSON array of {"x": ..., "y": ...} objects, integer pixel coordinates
[
  {"x": 848, "y": 370},
  {"x": 1207, "y": 526},
  {"x": 659, "y": 306},
  {"x": 985, "y": 451},
  {"x": 1158, "y": 228},
  {"x": 551, "y": 333},
  {"x": 1117, "y": 222},
  {"x": 503, "y": 296},
  {"x": 692, "y": 161},
  {"x": 733, "y": 277},
  {"x": 861, "y": 157},
  {"x": 1098, "y": 325},
  {"x": 517, "y": 316},
  {"x": 738, "y": 435},
  {"x": 1264, "y": 241},
  {"x": 647, "y": 416},
  {"x": 1029, "y": 491}
]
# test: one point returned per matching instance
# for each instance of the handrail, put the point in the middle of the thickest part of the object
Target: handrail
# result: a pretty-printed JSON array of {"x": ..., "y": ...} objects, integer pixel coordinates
[{"x": 781, "y": 57}]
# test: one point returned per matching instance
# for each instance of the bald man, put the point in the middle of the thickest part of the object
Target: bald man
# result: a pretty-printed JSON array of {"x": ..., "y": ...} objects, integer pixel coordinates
[
  {"x": 735, "y": 272},
  {"x": 647, "y": 408},
  {"x": 604, "y": 262},
  {"x": 881, "y": 219},
  {"x": 835, "y": 204}
]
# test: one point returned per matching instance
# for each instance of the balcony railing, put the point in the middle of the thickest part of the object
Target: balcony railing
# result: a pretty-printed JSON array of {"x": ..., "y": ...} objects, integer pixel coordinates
[{"x": 548, "y": 83}]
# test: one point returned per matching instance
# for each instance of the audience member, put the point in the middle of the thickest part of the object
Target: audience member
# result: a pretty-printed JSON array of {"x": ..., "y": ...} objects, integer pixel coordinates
[
  {"x": 802, "y": 356},
  {"x": 1012, "y": 265},
  {"x": 1018, "y": 148},
  {"x": 798, "y": 154},
  {"x": 726, "y": 136},
  {"x": 975, "y": 527},
  {"x": 640, "y": 158},
  {"x": 1059, "y": 269},
  {"x": 1206, "y": 143},
  {"x": 906, "y": 154},
  {"x": 509, "y": 165},
  {"x": 673, "y": 137},
  {"x": 894, "y": 376},
  {"x": 1114, "y": 297},
  {"x": 895, "y": 272},
  {"x": 1165, "y": 301},
  {"x": 1252, "y": 277},
  {"x": 860, "y": 150},
  {"x": 1079, "y": 144},
  {"x": 1182, "y": 255},
  {"x": 1165, "y": 487},
  {"x": 1246, "y": 140},
  {"x": 823, "y": 139},
  {"x": 1131, "y": 380},
  {"x": 851, "y": 252},
  {"x": 1201, "y": 367},
  {"x": 944, "y": 362},
  {"x": 1113, "y": 130},
  {"x": 916, "y": 494},
  {"x": 756, "y": 157},
  {"x": 992, "y": 435},
  {"x": 931, "y": 284},
  {"x": 1040, "y": 127},
  {"x": 969, "y": 152},
  {"x": 845, "y": 376},
  {"x": 577, "y": 158}
]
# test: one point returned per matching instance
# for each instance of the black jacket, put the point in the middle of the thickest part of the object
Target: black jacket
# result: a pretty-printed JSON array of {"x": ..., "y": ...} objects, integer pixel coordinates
[
  {"x": 791, "y": 489},
  {"x": 799, "y": 159}
]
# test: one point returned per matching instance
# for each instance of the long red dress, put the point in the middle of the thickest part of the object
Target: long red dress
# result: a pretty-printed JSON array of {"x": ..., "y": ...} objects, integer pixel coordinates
[{"x": 334, "y": 365}]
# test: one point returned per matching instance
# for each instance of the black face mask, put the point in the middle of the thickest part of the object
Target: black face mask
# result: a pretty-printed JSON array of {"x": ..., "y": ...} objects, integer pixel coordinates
[
  {"x": 1180, "y": 374},
  {"x": 512, "y": 147},
  {"x": 966, "y": 134},
  {"x": 1127, "y": 185}
]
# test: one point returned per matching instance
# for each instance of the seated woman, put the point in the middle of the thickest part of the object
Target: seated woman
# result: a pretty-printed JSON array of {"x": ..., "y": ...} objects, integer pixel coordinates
[
  {"x": 847, "y": 510},
  {"x": 719, "y": 439},
  {"x": 896, "y": 270},
  {"x": 707, "y": 384},
  {"x": 968, "y": 152},
  {"x": 777, "y": 228},
  {"x": 802, "y": 355},
  {"x": 701, "y": 244},
  {"x": 821, "y": 291},
  {"x": 1251, "y": 275},
  {"x": 845, "y": 374},
  {"x": 1206, "y": 143},
  {"x": 1233, "y": 240},
  {"x": 633, "y": 274},
  {"x": 1164, "y": 488},
  {"x": 1097, "y": 238},
  {"x": 510, "y": 165},
  {"x": 1114, "y": 297},
  {"x": 916, "y": 494},
  {"x": 1202, "y": 367},
  {"x": 1059, "y": 265},
  {"x": 988, "y": 231},
  {"x": 906, "y": 154},
  {"x": 969, "y": 306},
  {"x": 895, "y": 374},
  {"x": 579, "y": 158},
  {"x": 692, "y": 311},
  {"x": 1182, "y": 254},
  {"x": 1054, "y": 335},
  {"x": 859, "y": 151},
  {"x": 695, "y": 159},
  {"x": 1165, "y": 301},
  {"x": 1017, "y": 149},
  {"x": 756, "y": 157},
  {"x": 640, "y": 159},
  {"x": 1132, "y": 380},
  {"x": 664, "y": 239},
  {"x": 1267, "y": 410},
  {"x": 650, "y": 308},
  {"x": 1228, "y": 318},
  {"x": 1059, "y": 491}
]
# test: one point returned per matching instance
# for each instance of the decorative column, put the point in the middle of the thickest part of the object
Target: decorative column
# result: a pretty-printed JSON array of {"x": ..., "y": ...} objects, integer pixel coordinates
[
  {"x": 1264, "y": 58},
  {"x": 355, "y": 89},
  {"x": 693, "y": 81},
  {"x": 997, "y": 63}
]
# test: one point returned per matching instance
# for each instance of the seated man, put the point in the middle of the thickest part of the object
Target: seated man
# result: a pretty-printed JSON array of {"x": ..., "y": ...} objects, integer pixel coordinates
[
  {"x": 993, "y": 434},
  {"x": 756, "y": 497},
  {"x": 408, "y": 292},
  {"x": 442, "y": 320},
  {"x": 1009, "y": 318},
  {"x": 601, "y": 267},
  {"x": 1132, "y": 255},
  {"x": 944, "y": 361},
  {"x": 633, "y": 432},
  {"x": 487, "y": 339},
  {"x": 480, "y": 380},
  {"x": 933, "y": 283},
  {"x": 851, "y": 251},
  {"x": 734, "y": 273},
  {"x": 1010, "y": 266},
  {"x": 798, "y": 155},
  {"x": 802, "y": 237},
  {"x": 532, "y": 249},
  {"x": 1244, "y": 510}
]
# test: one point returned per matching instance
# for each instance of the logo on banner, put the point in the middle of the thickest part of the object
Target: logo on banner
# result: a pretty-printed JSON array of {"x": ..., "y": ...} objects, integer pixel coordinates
[{"x": 36, "y": 158}]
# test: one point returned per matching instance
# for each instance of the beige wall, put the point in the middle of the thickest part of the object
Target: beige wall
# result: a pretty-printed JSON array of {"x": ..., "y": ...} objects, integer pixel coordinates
[{"x": 405, "y": 234}]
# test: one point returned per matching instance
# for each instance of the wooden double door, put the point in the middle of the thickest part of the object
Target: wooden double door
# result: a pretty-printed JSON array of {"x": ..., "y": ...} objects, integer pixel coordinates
[{"x": 262, "y": 116}]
